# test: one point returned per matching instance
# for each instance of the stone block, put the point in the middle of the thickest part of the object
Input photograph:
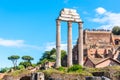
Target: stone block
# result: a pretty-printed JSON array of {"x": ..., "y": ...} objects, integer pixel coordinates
[
  {"x": 66, "y": 19},
  {"x": 78, "y": 20},
  {"x": 37, "y": 76},
  {"x": 65, "y": 15},
  {"x": 76, "y": 17}
]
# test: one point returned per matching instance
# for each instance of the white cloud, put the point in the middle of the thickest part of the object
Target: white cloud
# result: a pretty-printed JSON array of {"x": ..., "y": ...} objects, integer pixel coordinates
[
  {"x": 100, "y": 10},
  {"x": 16, "y": 43},
  {"x": 107, "y": 19},
  {"x": 51, "y": 45},
  {"x": 13, "y": 43}
]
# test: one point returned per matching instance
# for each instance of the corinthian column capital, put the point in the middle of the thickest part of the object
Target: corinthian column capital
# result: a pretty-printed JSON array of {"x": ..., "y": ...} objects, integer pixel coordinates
[
  {"x": 80, "y": 25},
  {"x": 58, "y": 22},
  {"x": 69, "y": 24}
]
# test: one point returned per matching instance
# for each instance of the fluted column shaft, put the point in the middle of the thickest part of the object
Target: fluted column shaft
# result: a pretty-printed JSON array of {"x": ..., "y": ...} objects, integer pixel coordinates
[
  {"x": 58, "y": 42},
  {"x": 80, "y": 44},
  {"x": 69, "y": 45}
]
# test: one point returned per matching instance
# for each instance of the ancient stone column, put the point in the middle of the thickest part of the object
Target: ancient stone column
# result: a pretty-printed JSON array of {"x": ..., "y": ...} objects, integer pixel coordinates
[
  {"x": 58, "y": 40},
  {"x": 80, "y": 44},
  {"x": 69, "y": 45}
]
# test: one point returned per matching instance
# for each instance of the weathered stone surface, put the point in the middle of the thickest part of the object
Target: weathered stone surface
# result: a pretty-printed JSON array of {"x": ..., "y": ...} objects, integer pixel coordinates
[
  {"x": 69, "y": 15},
  {"x": 99, "y": 46},
  {"x": 37, "y": 76},
  {"x": 58, "y": 43},
  {"x": 97, "y": 78},
  {"x": 56, "y": 76},
  {"x": 66, "y": 19}
]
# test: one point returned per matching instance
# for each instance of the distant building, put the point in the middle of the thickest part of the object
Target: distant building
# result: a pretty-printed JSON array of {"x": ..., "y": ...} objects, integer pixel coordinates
[{"x": 101, "y": 49}]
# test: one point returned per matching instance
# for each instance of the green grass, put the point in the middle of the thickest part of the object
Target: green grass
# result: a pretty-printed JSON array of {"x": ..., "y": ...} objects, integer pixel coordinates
[
  {"x": 73, "y": 70},
  {"x": 63, "y": 69},
  {"x": 19, "y": 72}
]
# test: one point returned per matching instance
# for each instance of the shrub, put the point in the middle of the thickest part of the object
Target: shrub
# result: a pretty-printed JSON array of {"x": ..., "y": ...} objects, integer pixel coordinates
[
  {"x": 34, "y": 65},
  {"x": 25, "y": 64},
  {"x": 61, "y": 69},
  {"x": 19, "y": 72},
  {"x": 3, "y": 70},
  {"x": 20, "y": 67},
  {"x": 75, "y": 68}
]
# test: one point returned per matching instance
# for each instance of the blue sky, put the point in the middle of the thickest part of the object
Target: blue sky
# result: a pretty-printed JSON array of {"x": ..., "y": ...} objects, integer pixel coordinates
[{"x": 27, "y": 27}]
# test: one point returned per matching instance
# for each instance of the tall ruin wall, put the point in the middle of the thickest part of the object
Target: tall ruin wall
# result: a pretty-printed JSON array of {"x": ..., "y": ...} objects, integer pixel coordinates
[{"x": 97, "y": 37}]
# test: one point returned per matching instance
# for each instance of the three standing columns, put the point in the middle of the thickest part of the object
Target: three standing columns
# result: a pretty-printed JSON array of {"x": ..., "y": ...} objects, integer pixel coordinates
[{"x": 69, "y": 44}]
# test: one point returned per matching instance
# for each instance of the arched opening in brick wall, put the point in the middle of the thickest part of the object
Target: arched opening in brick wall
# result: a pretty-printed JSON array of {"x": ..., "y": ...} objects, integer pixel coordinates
[{"x": 117, "y": 41}]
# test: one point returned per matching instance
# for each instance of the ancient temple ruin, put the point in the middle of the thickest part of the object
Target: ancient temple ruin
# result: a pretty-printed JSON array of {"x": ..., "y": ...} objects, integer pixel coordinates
[
  {"x": 94, "y": 48},
  {"x": 69, "y": 16}
]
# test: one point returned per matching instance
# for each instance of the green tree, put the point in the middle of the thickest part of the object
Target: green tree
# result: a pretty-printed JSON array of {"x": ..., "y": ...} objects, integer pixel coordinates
[
  {"x": 20, "y": 67},
  {"x": 27, "y": 58},
  {"x": 25, "y": 64},
  {"x": 50, "y": 56},
  {"x": 63, "y": 54},
  {"x": 14, "y": 59},
  {"x": 3, "y": 70},
  {"x": 27, "y": 61},
  {"x": 116, "y": 30}
]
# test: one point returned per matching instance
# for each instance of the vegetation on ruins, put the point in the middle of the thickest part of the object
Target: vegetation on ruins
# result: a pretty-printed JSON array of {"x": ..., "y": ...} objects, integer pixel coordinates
[
  {"x": 75, "y": 68},
  {"x": 3, "y": 70},
  {"x": 25, "y": 64},
  {"x": 14, "y": 59},
  {"x": 51, "y": 56},
  {"x": 27, "y": 58},
  {"x": 19, "y": 72},
  {"x": 116, "y": 30},
  {"x": 62, "y": 69},
  {"x": 27, "y": 61},
  {"x": 22, "y": 65}
]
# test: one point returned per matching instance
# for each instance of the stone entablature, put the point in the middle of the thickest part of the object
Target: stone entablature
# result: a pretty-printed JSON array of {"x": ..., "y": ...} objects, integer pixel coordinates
[{"x": 69, "y": 15}]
